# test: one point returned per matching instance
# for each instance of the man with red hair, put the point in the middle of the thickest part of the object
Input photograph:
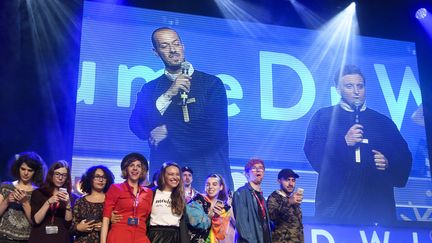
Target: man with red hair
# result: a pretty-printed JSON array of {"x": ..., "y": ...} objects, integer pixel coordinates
[{"x": 250, "y": 210}]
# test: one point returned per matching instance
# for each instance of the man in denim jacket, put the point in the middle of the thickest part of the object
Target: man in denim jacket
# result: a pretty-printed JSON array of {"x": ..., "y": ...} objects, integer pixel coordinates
[{"x": 250, "y": 210}]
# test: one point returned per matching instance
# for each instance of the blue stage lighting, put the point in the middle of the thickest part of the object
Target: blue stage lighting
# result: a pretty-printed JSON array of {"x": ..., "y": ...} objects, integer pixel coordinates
[{"x": 421, "y": 13}]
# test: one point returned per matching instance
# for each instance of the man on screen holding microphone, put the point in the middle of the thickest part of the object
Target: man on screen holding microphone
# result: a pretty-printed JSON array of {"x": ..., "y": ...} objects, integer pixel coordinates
[
  {"x": 359, "y": 154},
  {"x": 183, "y": 113}
]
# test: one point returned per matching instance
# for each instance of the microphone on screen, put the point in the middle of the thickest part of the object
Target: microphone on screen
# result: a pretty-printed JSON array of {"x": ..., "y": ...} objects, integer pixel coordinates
[{"x": 185, "y": 66}]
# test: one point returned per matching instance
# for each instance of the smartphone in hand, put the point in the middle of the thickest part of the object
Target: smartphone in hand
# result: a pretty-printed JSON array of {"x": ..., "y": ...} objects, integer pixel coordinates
[
  {"x": 94, "y": 218},
  {"x": 300, "y": 190},
  {"x": 220, "y": 203},
  {"x": 63, "y": 194}
]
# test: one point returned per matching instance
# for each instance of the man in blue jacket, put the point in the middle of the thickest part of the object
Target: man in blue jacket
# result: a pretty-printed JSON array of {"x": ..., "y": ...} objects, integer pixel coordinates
[{"x": 250, "y": 210}]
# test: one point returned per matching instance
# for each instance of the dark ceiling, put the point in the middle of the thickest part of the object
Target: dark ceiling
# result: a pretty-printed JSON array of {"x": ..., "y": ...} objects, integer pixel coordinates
[{"x": 380, "y": 18}]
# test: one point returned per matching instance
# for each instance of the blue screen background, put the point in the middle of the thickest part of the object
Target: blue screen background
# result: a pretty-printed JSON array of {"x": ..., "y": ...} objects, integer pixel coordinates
[{"x": 275, "y": 82}]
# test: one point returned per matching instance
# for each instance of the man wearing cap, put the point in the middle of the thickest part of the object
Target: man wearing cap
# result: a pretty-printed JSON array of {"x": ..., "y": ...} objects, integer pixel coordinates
[
  {"x": 187, "y": 176},
  {"x": 250, "y": 209},
  {"x": 284, "y": 209}
]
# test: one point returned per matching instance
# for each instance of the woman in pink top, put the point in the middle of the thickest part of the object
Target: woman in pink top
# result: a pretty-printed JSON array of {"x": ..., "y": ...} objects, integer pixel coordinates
[{"x": 131, "y": 200}]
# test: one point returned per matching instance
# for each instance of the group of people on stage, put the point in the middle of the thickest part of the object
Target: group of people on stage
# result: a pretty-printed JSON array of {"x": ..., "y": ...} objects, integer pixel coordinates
[
  {"x": 359, "y": 154},
  {"x": 347, "y": 144},
  {"x": 34, "y": 209}
]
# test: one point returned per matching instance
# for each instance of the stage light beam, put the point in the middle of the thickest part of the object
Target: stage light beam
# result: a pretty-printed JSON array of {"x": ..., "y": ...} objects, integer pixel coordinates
[
  {"x": 53, "y": 26},
  {"x": 309, "y": 17},
  {"x": 425, "y": 19},
  {"x": 241, "y": 11},
  {"x": 336, "y": 44}
]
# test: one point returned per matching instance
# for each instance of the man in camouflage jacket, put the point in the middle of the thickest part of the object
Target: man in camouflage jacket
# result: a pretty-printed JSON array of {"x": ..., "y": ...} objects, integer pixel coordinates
[{"x": 284, "y": 209}]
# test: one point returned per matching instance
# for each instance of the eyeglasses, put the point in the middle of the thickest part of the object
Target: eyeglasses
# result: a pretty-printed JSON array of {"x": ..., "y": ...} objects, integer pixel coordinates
[
  {"x": 100, "y": 178},
  {"x": 60, "y": 175},
  {"x": 255, "y": 169}
]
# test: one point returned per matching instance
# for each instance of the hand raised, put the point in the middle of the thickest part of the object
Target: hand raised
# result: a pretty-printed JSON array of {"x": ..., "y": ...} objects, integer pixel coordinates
[
  {"x": 63, "y": 196},
  {"x": 217, "y": 209},
  {"x": 53, "y": 199},
  {"x": 20, "y": 196},
  {"x": 182, "y": 83},
  {"x": 354, "y": 135},
  {"x": 11, "y": 197},
  {"x": 380, "y": 160},
  {"x": 295, "y": 198}
]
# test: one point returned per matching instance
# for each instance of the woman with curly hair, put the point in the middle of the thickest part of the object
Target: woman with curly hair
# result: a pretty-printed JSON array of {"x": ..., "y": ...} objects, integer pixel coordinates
[
  {"x": 168, "y": 214},
  {"x": 87, "y": 212},
  {"x": 15, "y": 221}
]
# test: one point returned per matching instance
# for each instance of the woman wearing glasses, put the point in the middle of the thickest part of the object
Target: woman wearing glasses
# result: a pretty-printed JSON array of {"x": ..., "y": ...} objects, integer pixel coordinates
[
  {"x": 51, "y": 210},
  {"x": 129, "y": 199},
  {"x": 15, "y": 222},
  {"x": 87, "y": 212},
  {"x": 208, "y": 213}
]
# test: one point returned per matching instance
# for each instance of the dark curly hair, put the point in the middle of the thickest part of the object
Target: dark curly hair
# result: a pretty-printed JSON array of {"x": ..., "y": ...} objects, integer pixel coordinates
[
  {"x": 32, "y": 160},
  {"x": 88, "y": 176}
]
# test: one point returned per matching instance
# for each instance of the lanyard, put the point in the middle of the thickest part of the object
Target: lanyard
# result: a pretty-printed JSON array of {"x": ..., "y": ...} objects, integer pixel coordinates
[
  {"x": 53, "y": 208},
  {"x": 261, "y": 205},
  {"x": 135, "y": 199}
]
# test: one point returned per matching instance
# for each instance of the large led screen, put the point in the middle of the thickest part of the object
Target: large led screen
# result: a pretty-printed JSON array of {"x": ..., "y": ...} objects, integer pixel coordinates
[{"x": 275, "y": 77}]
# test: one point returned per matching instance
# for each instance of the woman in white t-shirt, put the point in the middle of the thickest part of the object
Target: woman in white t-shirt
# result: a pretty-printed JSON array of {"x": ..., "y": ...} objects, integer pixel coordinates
[{"x": 167, "y": 219}]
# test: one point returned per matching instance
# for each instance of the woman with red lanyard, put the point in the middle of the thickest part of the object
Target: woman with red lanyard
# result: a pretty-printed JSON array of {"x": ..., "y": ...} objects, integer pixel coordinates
[
  {"x": 51, "y": 206},
  {"x": 129, "y": 199}
]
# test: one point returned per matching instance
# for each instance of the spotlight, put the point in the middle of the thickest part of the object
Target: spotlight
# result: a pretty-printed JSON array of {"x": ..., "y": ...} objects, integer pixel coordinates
[
  {"x": 425, "y": 20},
  {"x": 336, "y": 42},
  {"x": 421, "y": 13}
]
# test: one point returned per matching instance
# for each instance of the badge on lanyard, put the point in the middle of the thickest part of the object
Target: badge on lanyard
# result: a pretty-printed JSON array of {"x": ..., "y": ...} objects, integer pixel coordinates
[
  {"x": 52, "y": 229},
  {"x": 134, "y": 220}
]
